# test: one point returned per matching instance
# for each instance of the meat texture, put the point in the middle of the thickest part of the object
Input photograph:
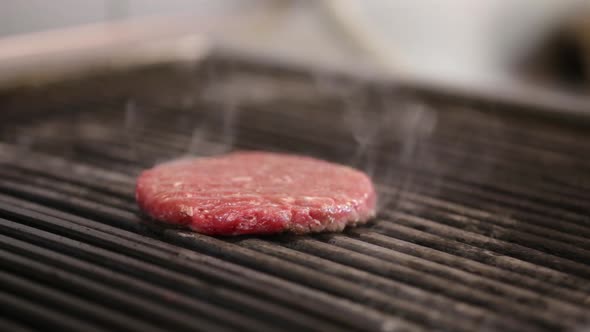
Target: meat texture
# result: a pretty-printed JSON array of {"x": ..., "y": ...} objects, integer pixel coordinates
[{"x": 256, "y": 193}]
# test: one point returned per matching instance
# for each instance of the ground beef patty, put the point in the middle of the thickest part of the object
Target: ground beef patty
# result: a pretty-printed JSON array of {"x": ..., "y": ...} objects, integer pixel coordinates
[{"x": 256, "y": 193}]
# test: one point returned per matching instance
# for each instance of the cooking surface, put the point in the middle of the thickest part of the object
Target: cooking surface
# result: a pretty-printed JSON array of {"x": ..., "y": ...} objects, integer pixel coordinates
[{"x": 483, "y": 225}]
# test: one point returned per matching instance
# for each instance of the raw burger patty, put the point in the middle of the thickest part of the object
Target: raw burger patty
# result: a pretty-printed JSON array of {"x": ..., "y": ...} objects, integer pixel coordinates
[{"x": 256, "y": 193}]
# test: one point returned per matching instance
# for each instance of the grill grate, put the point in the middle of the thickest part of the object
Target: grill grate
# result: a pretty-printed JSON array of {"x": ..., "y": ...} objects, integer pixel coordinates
[{"x": 484, "y": 219}]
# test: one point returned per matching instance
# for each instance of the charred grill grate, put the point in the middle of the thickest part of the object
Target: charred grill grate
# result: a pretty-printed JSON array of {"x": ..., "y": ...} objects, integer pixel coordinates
[{"x": 484, "y": 222}]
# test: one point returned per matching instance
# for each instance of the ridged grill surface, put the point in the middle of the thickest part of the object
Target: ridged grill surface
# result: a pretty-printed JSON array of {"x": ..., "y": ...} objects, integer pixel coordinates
[{"x": 484, "y": 220}]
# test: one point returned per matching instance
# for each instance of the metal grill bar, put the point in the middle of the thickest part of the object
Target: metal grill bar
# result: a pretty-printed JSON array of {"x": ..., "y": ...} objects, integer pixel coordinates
[
  {"x": 137, "y": 287},
  {"x": 9, "y": 325},
  {"x": 76, "y": 306},
  {"x": 39, "y": 316},
  {"x": 140, "y": 270},
  {"x": 116, "y": 261}
]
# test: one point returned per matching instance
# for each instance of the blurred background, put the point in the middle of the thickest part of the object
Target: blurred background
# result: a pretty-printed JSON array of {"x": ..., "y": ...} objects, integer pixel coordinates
[{"x": 487, "y": 42}]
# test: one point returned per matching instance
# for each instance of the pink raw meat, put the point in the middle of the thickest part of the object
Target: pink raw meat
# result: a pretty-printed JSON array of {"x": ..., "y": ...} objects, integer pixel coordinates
[{"x": 256, "y": 193}]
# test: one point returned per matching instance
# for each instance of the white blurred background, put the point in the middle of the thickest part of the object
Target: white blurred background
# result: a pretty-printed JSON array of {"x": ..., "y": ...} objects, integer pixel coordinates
[{"x": 464, "y": 40}]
